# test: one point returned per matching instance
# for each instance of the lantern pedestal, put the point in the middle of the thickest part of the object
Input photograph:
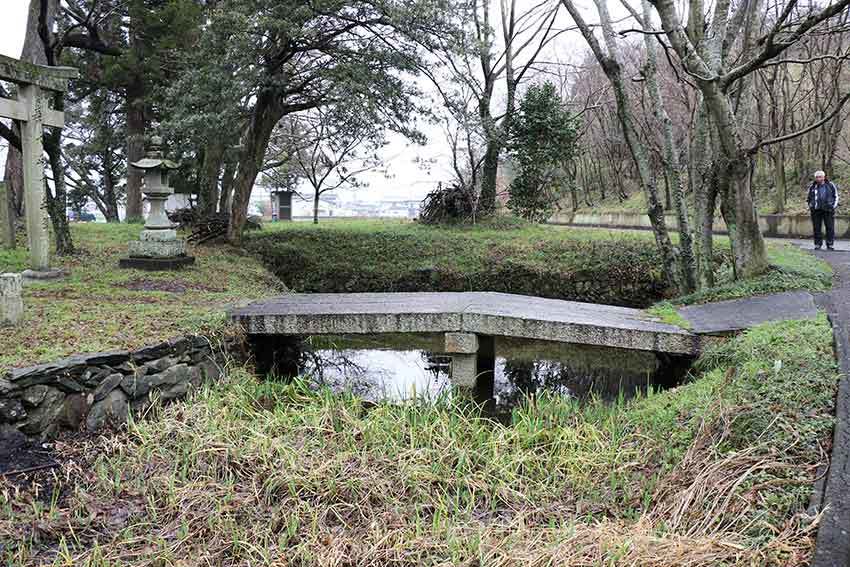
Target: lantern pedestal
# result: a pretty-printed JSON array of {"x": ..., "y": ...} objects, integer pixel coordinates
[{"x": 156, "y": 264}]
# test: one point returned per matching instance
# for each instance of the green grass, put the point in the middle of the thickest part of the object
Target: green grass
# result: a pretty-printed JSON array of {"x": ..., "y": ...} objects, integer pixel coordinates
[
  {"x": 791, "y": 269},
  {"x": 13, "y": 260},
  {"x": 511, "y": 256},
  {"x": 715, "y": 472},
  {"x": 667, "y": 313},
  {"x": 101, "y": 307},
  {"x": 594, "y": 265}
]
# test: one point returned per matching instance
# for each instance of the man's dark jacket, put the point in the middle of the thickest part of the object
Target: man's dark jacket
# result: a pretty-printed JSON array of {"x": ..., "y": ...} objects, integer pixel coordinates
[{"x": 823, "y": 197}]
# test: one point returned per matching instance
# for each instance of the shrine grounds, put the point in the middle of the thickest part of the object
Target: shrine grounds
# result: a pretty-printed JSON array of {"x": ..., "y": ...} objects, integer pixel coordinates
[
  {"x": 101, "y": 307},
  {"x": 717, "y": 471}
]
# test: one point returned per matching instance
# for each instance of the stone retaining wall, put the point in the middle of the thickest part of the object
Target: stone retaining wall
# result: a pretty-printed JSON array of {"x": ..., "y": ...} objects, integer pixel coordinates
[
  {"x": 776, "y": 226},
  {"x": 92, "y": 390}
]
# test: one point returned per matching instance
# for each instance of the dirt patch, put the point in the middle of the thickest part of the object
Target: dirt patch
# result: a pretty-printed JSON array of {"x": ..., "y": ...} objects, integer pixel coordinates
[
  {"x": 28, "y": 465},
  {"x": 20, "y": 455},
  {"x": 173, "y": 286}
]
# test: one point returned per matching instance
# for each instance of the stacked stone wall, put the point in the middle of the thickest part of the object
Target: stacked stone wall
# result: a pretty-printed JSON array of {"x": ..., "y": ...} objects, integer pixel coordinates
[{"x": 88, "y": 392}]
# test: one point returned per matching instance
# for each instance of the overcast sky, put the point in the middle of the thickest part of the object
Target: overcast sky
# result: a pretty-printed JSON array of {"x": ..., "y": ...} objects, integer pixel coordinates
[{"x": 400, "y": 177}]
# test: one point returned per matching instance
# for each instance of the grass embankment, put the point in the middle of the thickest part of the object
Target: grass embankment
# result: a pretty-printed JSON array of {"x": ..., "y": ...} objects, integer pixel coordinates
[
  {"x": 101, "y": 307},
  {"x": 508, "y": 256},
  {"x": 790, "y": 269},
  {"x": 598, "y": 266},
  {"x": 715, "y": 472}
]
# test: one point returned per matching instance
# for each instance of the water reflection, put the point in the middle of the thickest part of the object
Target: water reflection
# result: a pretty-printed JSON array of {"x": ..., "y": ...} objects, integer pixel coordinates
[{"x": 399, "y": 367}]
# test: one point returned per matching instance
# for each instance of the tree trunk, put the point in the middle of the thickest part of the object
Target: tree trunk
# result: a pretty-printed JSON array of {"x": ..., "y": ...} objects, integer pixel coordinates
[
  {"x": 264, "y": 117},
  {"x": 135, "y": 148},
  {"x": 227, "y": 178},
  {"x": 208, "y": 188},
  {"x": 7, "y": 217},
  {"x": 316, "y": 207},
  {"x": 490, "y": 167},
  {"x": 779, "y": 176},
  {"x": 613, "y": 71},
  {"x": 110, "y": 201},
  {"x": 747, "y": 242},
  {"x": 748, "y": 248},
  {"x": 703, "y": 182},
  {"x": 602, "y": 181},
  {"x": 573, "y": 184},
  {"x": 14, "y": 176},
  {"x": 654, "y": 209},
  {"x": 489, "y": 175},
  {"x": 57, "y": 201},
  {"x": 688, "y": 265}
]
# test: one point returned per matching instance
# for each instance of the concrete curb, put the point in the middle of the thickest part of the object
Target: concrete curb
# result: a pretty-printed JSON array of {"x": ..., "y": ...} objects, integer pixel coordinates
[
  {"x": 832, "y": 547},
  {"x": 772, "y": 226},
  {"x": 831, "y": 494}
]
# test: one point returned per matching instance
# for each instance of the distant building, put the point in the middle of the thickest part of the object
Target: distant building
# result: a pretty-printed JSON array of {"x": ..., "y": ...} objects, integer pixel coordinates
[
  {"x": 405, "y": 208},
  {"x": 282, "y": 205}
]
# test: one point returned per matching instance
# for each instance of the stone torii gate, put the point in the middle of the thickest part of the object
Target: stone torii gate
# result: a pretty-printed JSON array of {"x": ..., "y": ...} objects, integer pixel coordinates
[{"x": 32, "y": 111}]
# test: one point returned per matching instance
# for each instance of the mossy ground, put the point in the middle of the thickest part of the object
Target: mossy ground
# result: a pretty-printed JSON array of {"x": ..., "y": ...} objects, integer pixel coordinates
[
  {"x": 101, "y": 307},
  {"x": 507, "y": 256}
]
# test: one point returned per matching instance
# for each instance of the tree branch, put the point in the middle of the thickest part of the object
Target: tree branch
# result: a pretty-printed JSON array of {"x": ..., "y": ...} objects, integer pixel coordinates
[
  {"x": 807, "y": 129},
  {"x": 771, "y": 49}
]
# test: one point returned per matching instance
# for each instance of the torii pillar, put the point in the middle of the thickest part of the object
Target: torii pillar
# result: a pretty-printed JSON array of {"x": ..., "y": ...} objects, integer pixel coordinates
[{"x": 33, "y": 113}]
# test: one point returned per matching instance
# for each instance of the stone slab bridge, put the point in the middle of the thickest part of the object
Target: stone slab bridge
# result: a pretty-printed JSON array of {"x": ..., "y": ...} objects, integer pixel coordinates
[{"x": 469, "y": 320}]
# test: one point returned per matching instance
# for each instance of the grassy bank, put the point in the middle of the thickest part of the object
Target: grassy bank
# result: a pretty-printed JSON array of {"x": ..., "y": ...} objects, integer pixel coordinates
[
  {"x": 716, "y": 472},
  {"x": 795, "y": 203},
  {"x": 101, "y": 307},
  {"x": 597, "y": 266},
  {"x": 790, "y": 269},
  {"x": 346, "y": 256}
]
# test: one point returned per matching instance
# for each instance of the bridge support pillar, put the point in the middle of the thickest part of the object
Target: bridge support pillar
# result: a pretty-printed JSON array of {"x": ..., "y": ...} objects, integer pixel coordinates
[
  {"x": 461, "y": 343},
  {"x": 464, "y": 370},
  {"x": 473, "y": 360}
]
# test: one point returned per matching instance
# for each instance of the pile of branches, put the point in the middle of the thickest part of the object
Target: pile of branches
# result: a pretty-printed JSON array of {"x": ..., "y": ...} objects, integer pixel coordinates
[
  {"x": 183, "y": 218},
  {"x": 452, "y": 203},
  {"x": 205, "y": 228}
]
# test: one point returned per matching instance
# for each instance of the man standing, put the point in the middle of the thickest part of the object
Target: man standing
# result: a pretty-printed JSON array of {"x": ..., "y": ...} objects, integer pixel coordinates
[{"x": 823, "y": 200}]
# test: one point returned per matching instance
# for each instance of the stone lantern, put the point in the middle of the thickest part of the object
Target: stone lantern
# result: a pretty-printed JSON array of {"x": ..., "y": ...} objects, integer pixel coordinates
[{"x": 158, "y": 247}]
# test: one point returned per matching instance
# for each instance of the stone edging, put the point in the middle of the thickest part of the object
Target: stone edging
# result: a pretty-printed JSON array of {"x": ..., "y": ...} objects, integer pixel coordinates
[
  {"x": 92, "y": 390},
  {"x": 832, "y": 546}
]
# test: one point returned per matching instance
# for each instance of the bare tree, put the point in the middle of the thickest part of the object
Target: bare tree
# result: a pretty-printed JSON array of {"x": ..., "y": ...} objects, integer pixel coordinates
[
  {"x": 329, "y": 148},
  {"x": 486, "y": 64},
  {"x": 610, "y": 60},
  {"x": 724, "y": 83}
]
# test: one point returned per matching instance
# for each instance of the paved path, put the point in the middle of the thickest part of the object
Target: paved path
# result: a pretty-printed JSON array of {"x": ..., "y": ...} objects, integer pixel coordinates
[
  {"x": 833, "y": 541},
  {"x": 734, "y": 315},
  {"x": 484, "y": 313}
]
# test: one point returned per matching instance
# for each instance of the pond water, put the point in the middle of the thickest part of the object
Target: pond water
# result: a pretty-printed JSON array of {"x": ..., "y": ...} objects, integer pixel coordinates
[{"x": 400, "y": 367}]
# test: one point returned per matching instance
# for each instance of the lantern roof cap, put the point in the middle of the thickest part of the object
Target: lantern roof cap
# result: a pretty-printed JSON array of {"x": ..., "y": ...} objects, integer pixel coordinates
[
  {"x": 153, "y": 157},
  {"x": 154, "y": 163}
]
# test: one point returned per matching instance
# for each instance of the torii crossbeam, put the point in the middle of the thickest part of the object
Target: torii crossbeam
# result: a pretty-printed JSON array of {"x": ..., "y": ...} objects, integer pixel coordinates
[{"x": 33, "y": 113}]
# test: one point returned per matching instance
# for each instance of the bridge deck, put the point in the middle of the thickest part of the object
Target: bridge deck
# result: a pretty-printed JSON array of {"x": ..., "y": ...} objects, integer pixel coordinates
[{"x": 484, "y": 313}]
